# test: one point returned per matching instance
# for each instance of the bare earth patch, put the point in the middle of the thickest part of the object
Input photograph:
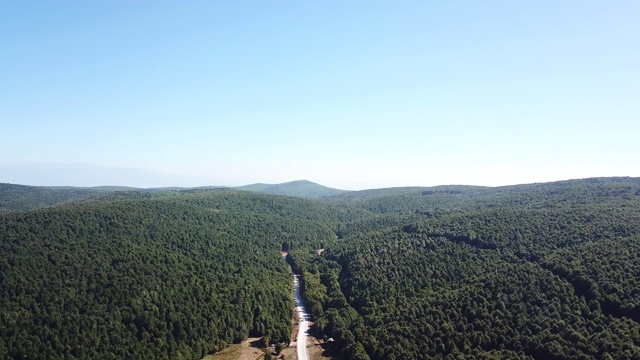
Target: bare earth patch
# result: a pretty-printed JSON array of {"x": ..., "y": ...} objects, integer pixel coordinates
[
  {"x": 243, "y": 351},
  {"x": 289, "y": 354},
  {"x": 315, "y": 349}
]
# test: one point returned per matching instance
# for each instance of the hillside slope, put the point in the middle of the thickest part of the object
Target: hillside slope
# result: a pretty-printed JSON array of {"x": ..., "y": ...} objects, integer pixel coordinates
[
  {"x": 149, "y": 275},
  {"x": 22, "y": 197},
  {"x": 540, "y": 271}
]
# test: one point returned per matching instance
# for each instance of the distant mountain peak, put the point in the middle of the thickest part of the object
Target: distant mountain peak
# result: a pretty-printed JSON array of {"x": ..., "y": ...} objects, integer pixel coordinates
[{"x": 299, "y": 188}]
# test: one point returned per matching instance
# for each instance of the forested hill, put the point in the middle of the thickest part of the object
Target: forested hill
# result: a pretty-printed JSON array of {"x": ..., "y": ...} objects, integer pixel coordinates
[
  {"x": 300, "y": 188},
  {"x": 21, "y": 197},
  {"x": 149, "y": 275},
  {"x": 538, "y": 271}
]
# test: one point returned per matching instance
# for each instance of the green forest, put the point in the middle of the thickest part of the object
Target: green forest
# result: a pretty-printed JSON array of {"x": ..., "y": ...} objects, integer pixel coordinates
[
  {"x": 539, "y": 271},
  {"x": 133, "y": 275}
]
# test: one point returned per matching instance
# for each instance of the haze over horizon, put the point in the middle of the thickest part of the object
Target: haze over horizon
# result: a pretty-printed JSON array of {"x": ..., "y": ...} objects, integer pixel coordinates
[
  {"x": 349, "y": 95},
  {"x": 82, "y": 175}
]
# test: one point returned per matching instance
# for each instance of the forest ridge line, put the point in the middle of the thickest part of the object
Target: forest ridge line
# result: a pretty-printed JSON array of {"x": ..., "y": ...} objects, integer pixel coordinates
[{"x": 529, "y": 271}]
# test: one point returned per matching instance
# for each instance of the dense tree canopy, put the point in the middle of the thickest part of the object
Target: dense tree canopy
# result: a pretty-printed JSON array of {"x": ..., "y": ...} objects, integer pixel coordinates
[
  {"x": 173, "y": 276},
  {"x": 21, "y": 198},
  {"x": 540, "y": 271},
  {"x": 535, "y": 271}
]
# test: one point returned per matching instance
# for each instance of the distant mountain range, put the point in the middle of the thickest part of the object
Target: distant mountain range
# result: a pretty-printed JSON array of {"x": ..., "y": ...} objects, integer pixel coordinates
[
  {"x": 22, "y": 197},
  {"x": 72, "y": 177},
  {"x": 85, "y": 175}
]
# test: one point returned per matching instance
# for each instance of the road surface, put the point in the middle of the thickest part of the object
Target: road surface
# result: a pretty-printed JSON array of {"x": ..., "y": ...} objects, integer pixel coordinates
[{"x": 303, "y": 326}]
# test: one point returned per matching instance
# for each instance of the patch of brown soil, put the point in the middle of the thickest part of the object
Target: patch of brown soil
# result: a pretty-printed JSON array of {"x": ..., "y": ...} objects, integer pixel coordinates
[
  {"x": 246, "y": 350},
  {"x": 315, "y": 349}
]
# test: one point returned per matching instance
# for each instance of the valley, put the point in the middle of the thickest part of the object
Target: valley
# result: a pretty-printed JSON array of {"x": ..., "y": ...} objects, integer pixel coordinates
[{"x": 537, "y": 271}]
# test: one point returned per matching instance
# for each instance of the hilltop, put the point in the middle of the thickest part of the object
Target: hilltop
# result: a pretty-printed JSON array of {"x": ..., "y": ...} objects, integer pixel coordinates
[
  {"x": 14, "y": 197},
  {"x": 21, "y": 197},
  {"x": 299, "y": 188}
]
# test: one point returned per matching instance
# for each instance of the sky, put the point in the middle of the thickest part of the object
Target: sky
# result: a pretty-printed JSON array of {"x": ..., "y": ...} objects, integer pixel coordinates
[{"x": 349, "y": 94}]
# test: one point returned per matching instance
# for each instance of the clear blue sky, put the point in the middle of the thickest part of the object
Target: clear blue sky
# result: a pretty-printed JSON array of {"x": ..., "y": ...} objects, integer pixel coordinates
[{"x": 350, "y": 94}]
